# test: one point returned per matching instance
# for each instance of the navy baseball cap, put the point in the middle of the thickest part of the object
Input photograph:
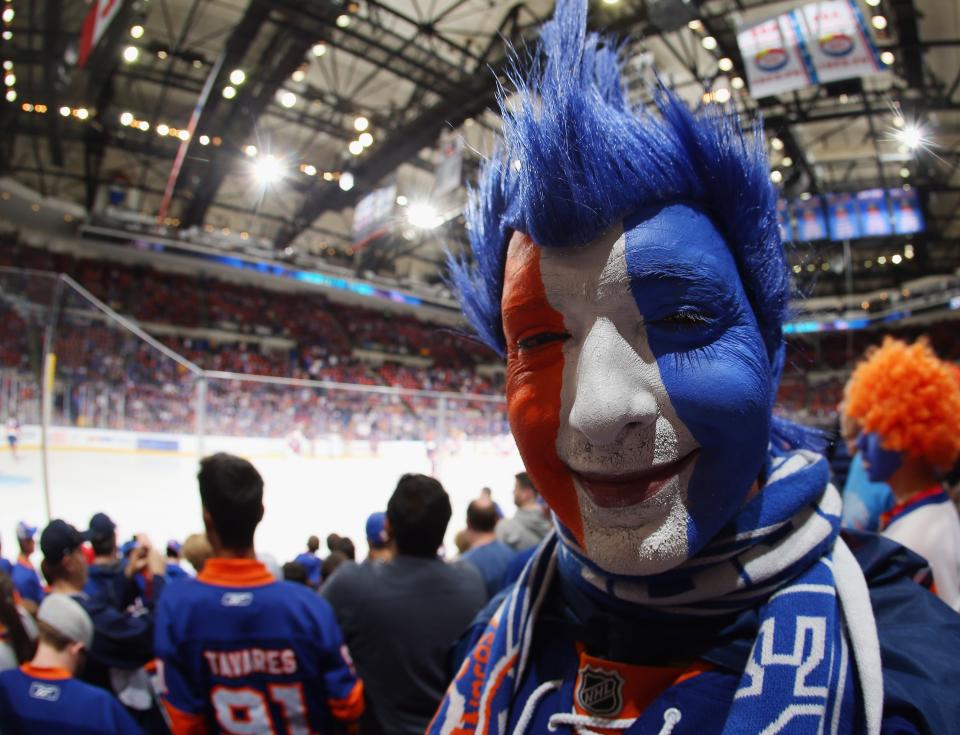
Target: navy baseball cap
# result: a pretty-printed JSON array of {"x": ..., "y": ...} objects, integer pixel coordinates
[
  {"x": 59, "y": 539},
  {"x": 376, "y": 530},
  {"x": 101, "y": 527}
]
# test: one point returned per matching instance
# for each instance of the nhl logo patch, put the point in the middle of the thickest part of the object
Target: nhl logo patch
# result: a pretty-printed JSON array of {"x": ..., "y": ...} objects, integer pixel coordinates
[{"x": 600, "y": 692}]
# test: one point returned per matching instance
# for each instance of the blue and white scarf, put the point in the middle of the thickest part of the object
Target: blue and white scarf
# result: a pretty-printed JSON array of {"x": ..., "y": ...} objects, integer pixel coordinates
[{"x": 781, "y": 555}]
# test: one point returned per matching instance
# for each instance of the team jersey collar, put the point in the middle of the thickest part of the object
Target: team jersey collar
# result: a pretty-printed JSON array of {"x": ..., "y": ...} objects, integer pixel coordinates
[
  {"x": 50, "y": 673},
  {"x": 235, "y": 573},
  {"x": 919, "y": 499},
  {"x": 24, "y": 561}
]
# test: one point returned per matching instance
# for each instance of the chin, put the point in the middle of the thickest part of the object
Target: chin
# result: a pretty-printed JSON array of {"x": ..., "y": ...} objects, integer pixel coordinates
[{"x": 643, "y": 539}]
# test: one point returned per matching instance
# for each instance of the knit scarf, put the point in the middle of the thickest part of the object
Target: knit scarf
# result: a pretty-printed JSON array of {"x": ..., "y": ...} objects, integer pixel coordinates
[{"x": 781, "y": 555}]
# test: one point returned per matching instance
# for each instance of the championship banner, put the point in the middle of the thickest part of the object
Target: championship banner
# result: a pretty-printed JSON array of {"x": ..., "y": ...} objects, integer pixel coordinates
[
  {"x": 99, "y": 17},
  {"x": 843, "y": 217},
  {"x": 907, "y": 216},
  {"x": 783, "y": 219},
  {"x": 373, "y": 215},
  {"x": 874, "y": 213},
  {"x": 838, "y": 41},
  {"x": 811, "y": 224},
  {"x": 817, "y": 43}
]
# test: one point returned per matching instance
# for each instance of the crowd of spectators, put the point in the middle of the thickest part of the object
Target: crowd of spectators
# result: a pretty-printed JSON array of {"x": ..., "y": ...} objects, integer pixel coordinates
[{"x": 131, "y": 637}]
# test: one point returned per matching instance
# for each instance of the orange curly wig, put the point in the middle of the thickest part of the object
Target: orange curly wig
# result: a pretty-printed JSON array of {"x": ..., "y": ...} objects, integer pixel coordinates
[{"x": 911, "y": 398}]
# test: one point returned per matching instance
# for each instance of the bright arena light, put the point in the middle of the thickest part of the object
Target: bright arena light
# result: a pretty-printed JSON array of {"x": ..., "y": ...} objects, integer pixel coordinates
[
  {"x": 725, "y": 64},
  {"x": 709, "y": 43},
  {"x": 136, "y": 31},
  {"x": 250, "y": 150},
  {"x": 183, "y": 135},
  {"x": 722, "y": 95},
  {"x": 238, "y": 77},
  {"x": 776, "y": 144},
  {"x": 229, "y": 92},
  {"x": 268, "y": 169},
  {"x": 346, "y": 181},
  {"x": 288, "y": 99},
  {"x": 343, "y": 21},
  {"x": 163, "y": 129},
  {"x": 355, "y": 147},
  {"x": 82, "y": 113},
  {"x": 361, "y": 124},
  {"x": 11, "y": 95},
  {"x": 423, "y": 216},
  {"x": 319, "y": 50},
  {"x": 776, "y": 177},
  {"x": 131, "y": 54},
  {"x": 736, "y": 83},
  {"x": 204, "y": 140},
  {"x": 8, "y": 15},
  {"x": 913, "y": 136},
  {"x": 365, "y": 139},
  {"x": 888, "y": 58},
  {"x": 126, "y": 119},
  {"x": 65, "y": 112},
  {"x": 402, "y": 200},
  {"x": 10, "y": 79},
  {"x": 879, "y": 22}
]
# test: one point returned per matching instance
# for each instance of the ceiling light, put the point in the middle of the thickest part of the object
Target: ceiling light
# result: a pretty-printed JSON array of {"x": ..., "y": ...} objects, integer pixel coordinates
[
  {"x": 709, "y": 43},
  {"x": 126, "y": 119},
  {"x": 882, "y": 260},
  {"x": 131, "y": 54},
  {"x": 65, "y": 112},
  {"x": 267, "y": 169},
  {"x": 776, "y": 177},
  {"x": 10, "y": 79},
  {"x": 136, "y": 31},
  {"x": 197, "y": 64},
  {"x": 250, "y": 150},
  {"x": 355, "y": 147},
  {"x": 183, "y": 135},
  {"x": 288, "y": 99},
  {"x": 361, "y": 124},
  {"x": 298, "y": 75},
  {"x": 8, "y": 15},
  {"x": 309, "y": 169},
  {"x": 204, "y": 140},
  {"x": 805, "y": 196},
  {"x": 7, "y": 65},
  {"x": 11, "y": 95},
  {"x": 786, "y": 162},
  {"x": 40, "y": 108},
  {"x": 343, "y": 21},
  {"x": 908, "y": 251},
  {"x": 873, "y": 3},
  {"x": 365, "y": 139},
  {"x": 423, "y": 216},
  {"x": 346, "y": 181},
  {"x": 896, "y": 259},
  {"x": 328, "y": 176},
  {"x": 144, "y": 125},
  {"x": 905, "y": 173},
  {"x": 797, "y": 269},
  {"x": 695, "y": 25},
  {"x": 161, "y": 54},
  {"x": 81, "y": 112},
  {"x": 237, "y": 77},
  {"x": 163, "y": 129},
  {"x": 888, "y": 58},
  {"x": 879, "y": 22},
  {"x": 610, "y": 2},
  {"x": 26, "y": 107},
  {"x": 776, "y": 144},
  {"x": 7, "y": 35},
  {"x": 319, "y": 50},
  {"x": 402, "y": 200},
  {"x": 725, "y": 64},
  {"x": 722, "y": 95},
  {"x": 229, "y": 92},
  {"x": 736, "y": 83}
]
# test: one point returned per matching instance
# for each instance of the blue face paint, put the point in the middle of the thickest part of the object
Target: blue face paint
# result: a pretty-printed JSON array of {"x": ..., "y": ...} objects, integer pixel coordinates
[
  {"x": 881, "y": 464},
  {"x": 709, "y": 351}
]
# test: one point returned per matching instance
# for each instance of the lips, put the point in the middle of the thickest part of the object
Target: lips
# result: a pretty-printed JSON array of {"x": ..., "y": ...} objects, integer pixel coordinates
[{"x": 625, "y": 490}]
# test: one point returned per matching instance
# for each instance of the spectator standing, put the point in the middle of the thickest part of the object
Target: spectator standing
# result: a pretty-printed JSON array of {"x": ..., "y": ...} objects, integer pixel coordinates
[
  {"x": 530, "y": 523},
  {"x": 380, "y": 545},
  {"x": 24, "y": 576},
  {"x": 486, "y": 494},
  {"x": 42, "y": 695},
  {"x": 487, "y": 553},
  {"x": 175, "y": 570},
  {"x": 5, "y": 565},
  {"x": 401, "y": 617},
  {"x": 311, "y": 562},
  {"x": 110, "y": 577},
  {"x": 122, "y": 640},
  {"x": 241, "y": 651},
  {"x": 196, "y": 550}
]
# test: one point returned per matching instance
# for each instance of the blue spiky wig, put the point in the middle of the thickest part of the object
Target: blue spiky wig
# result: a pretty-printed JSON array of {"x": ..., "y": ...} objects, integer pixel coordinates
[{"x": 587, "y": 159}]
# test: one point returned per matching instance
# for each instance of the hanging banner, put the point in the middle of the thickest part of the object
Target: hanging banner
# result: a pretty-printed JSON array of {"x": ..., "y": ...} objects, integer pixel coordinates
[
  {"x": 98, "y": 19},
  {"x": 373, "y": 215},
  {"x": 907, "y": 216},
  {"x": 774, "y": 57},
  {"x": 843, "y": 217},
  {"x": 783, "y": 219},
  {"x": 874, "y": 213},
  {"x": 811, "y": 224},
  {"x": 447, "y": 177},
  {"x": 820, "y": 42}
]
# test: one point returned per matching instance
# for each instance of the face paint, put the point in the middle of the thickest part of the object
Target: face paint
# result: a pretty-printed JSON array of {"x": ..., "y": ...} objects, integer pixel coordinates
[
  {"x": 881, "y": 464},
  {"x": 643, "y": 351}
]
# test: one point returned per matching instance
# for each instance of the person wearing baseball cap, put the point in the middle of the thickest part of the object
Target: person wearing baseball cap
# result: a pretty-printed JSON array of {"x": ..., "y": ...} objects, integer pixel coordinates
[
  {"x": 112, "y": 577},
  {"x": 24, "y": 576},
  {"x": 379, "y": 541},
  {"x": 43, "y": 696},
  {"x": 122, "y": 642},
  {"x": 175, "y": 570}
]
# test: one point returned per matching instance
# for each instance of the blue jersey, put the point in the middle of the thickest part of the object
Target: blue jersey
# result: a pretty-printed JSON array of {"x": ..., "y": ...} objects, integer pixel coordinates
[
  {"x": 26, "y": 580},
  {"x": 312, "y": 564},
  {"x": 6, "y": 567},
  {"x": 39, "y": 700},
  {"x": 241, "y": 652}
]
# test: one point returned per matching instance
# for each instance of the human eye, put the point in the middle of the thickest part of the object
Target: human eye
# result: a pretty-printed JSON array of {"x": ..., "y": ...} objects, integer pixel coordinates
[
  {"x": 685, "y": 319},
  {"x": 533, "y": 341}
]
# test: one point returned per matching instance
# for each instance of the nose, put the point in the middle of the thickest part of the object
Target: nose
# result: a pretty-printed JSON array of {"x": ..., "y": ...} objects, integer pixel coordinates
[{"x": 614, "y": 386}]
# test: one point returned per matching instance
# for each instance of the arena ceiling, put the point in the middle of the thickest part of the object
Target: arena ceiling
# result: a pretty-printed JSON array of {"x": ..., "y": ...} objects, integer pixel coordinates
[{"x": 182, "y": 97}]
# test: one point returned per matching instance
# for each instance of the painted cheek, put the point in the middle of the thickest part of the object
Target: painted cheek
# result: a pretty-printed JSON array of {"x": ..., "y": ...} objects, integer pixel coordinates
[{"x": 535, "y": 380}]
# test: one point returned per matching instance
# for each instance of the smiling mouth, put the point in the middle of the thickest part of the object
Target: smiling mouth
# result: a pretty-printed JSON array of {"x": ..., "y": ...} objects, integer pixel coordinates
[{"x": 623, "y": 491}]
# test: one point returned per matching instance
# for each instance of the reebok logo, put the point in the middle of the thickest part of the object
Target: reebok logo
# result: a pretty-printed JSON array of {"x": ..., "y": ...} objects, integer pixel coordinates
[
  {"x": 236, "y": 599},
  {"x": 46, "y": 692}
]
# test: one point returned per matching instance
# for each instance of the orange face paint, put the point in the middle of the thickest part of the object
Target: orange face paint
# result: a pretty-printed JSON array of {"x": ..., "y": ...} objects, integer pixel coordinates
[{"x": 534, "y": 380}]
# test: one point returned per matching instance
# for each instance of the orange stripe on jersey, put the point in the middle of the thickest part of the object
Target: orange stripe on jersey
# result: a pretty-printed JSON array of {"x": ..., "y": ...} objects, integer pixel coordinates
[
  {"x": 185, "y": 723},
  {"x": 235, "y": 573},
  {"x": 535, "y": 379},
  {"x": 491, "y": 695},
  {"x": 50, "y": 673},
  {"x": 349, "y": 708}
]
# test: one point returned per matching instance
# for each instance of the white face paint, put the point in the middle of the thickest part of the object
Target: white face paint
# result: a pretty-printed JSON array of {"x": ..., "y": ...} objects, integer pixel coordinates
[{"x": 630, "y": 455}]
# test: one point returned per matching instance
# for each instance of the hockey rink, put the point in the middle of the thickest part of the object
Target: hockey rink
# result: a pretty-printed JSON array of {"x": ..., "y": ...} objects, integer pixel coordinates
[{"x": 156, "y": 493}]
